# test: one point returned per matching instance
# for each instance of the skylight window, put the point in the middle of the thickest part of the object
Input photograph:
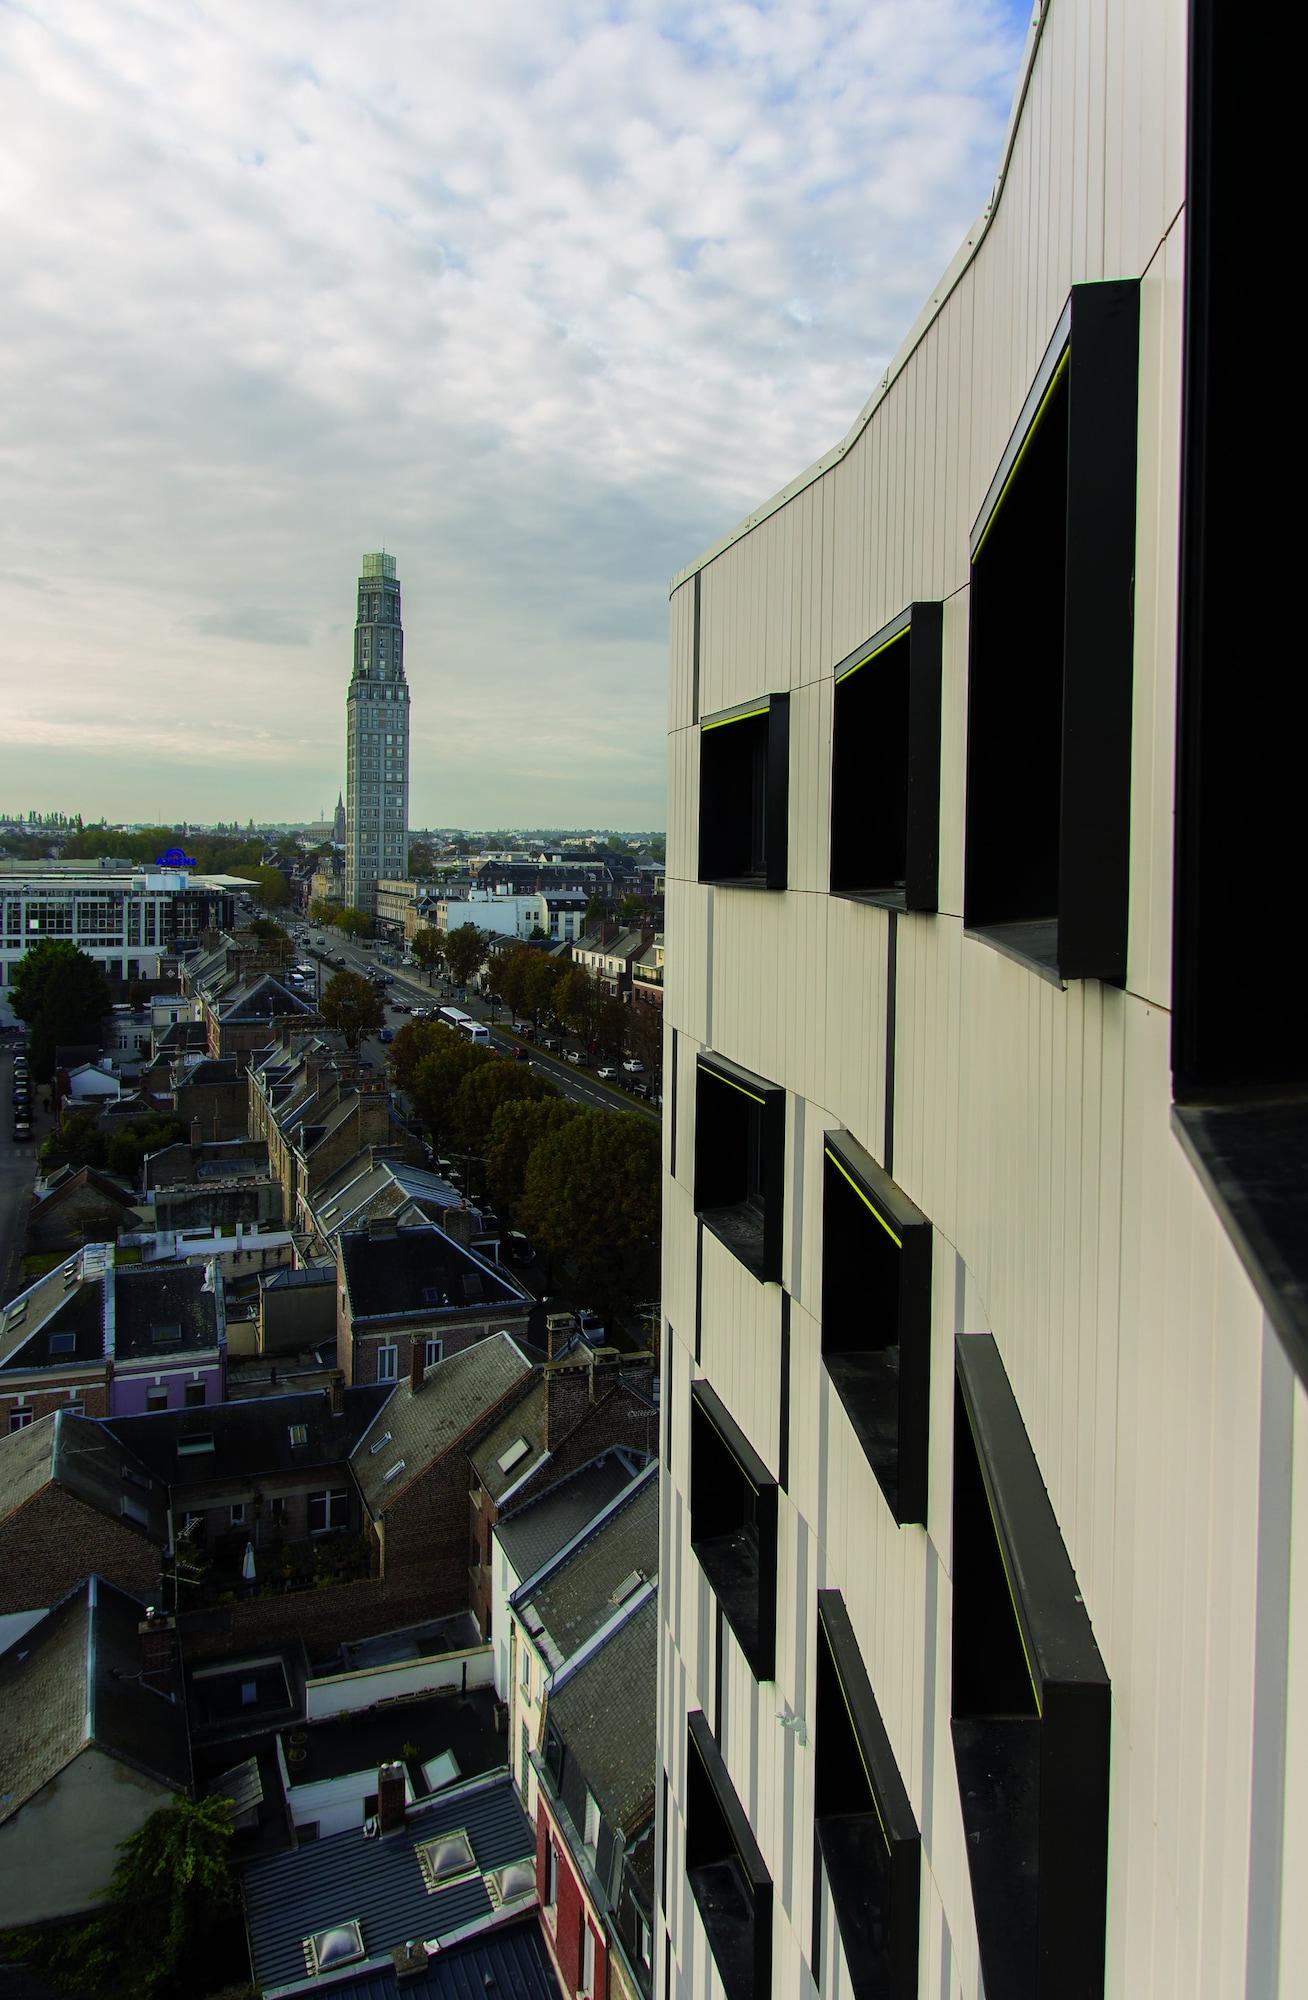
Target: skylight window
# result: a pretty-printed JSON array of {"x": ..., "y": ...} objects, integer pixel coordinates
[
  {"x": 511, "y": 1883},
  {"x": 393, "y": 1472},
  {"x": 445, "y": 1860},
  {"x": 341, "y": 1944},
  {"x": 197, "y": 1442},
  {"x": 299, "y": 1433},
  {"x": 515, "y": 1454},
  {"x": 628, "y": 1587},
  {"x": 380, "y": 1445},
  {"x": 63, "y": 1343}
]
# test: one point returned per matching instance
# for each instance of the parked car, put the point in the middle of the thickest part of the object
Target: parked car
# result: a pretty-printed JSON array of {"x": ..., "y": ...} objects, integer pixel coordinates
[
  {"x": 22, "y": 1128},
  {"x": 519, "y": 1053},
  {"x": 386, "y": 1035},
  {"x": 549, "y": 1041},
  {"x": 574, "y": 1056},
  {"x": 608, "y": 1074},
  {"x": 525, "y": 1029},
  {"x": 634, "y": 1066}
]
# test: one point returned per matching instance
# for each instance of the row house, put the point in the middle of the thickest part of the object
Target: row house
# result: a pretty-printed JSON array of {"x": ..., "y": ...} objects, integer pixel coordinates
[
  {"x": 609, "y": 954},
  {"x": 317, "y": 1108},
  {"x": 408, "y": 1297},
  {"x": 74, "y": 1499}
]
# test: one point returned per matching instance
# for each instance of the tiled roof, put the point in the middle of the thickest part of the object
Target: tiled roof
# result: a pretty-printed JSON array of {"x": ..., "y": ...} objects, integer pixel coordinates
[
  {"x": 604, "y": 1714},
  {"x": 74, "y": 1679},
  {"x": 532, "y": 1534},
  {"x": 379, "y": 1883},
  {"x": 523, "y": 1424},
  {"x": 417, "y": 1430},
  {"x": 421, "y": 1270},
  {"x": 575, "y": 1597},
  {"x": 251, "y": 1439}
]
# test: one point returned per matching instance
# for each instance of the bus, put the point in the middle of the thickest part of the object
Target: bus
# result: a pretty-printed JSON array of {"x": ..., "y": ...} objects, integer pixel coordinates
[{"x": 463, "y": 1024}]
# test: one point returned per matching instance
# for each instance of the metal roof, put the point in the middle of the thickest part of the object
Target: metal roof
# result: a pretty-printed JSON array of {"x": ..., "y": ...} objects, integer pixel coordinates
[{"x": 512, "y": 1963}]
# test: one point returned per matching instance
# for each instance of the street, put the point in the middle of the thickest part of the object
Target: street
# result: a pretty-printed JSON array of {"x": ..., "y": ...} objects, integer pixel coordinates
[{"x": 17, "y": 1176}]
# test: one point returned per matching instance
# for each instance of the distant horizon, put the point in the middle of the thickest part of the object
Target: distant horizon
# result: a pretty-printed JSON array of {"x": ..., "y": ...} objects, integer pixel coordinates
[{"x": 55, "y": 820}]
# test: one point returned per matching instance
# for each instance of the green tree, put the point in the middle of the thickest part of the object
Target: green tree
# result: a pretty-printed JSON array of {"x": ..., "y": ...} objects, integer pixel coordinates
[
  {"x": 512, "y": 974},
  {"x": 428, "y": 948},
  {"x": 515, "y": 1132},
  {"x": 436, "y": 1080},
  {"x": 576, "y": 1001},
  {"x": 415, "y": 1040},
  {"x": 270, "y": 887},
  {"x": 421, "y": 860},
  {"x": 269, "y": 932},
  {"x": 165, "y": 1926},
  {"x": 355, "y": 923},
  {"x": 482, "y": 1093},
  {"x": 353, "y": 1006},
  {"x": 63, "y": 996},
  {"x": 465, "y": 950},
  {"x": 596, "y": 912},
  {"x": 542, "y": 983},
  {"x": 323, "y": 912},
  {"x": 591, "y": 1195}
]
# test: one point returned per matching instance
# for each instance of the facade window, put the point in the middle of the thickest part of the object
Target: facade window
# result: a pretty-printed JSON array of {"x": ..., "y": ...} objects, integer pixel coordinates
[
  {"x": 866, "y": 1833},
  {"x": 236, "y": 1513},
  {"x": 1050, "y": 656},
  {"x": 733, "y": 1526},
  {"x": 194, "y": 1395},
  {"x": 726, "y": 1871},
  {"x": 431, "y": 1351},
  {"x": 587, "y": 1958},
  {"x": 591, "y": 1830},
  {"x": 387, "y": 1359},
  {"x": 551, "y": 1877},
  {"x": 885, "y": 765},
  {"x": 525, "y": 1749},
  {"x": 876, "y": 1318},
  {"x": 526, "y": 1670},
  {"x": 1030, "y": 1705},
  {"x": 744, "y": 782},
  {"x": 740, "y": 1145},
  {"x": 328, "y": 1510},
  {"x": 19, "y": 1419},
  {"x": 156, "y": 1399},
  {"x": 277, "y": 1510}
]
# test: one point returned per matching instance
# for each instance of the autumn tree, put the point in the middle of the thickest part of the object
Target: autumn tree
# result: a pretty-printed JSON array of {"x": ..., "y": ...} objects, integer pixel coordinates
[
  {"x": 591, "y": 1196},
  {"x": 435, "y": 1081},
  {"x": 415, "y": 1040},
  {"x": 354, "y": 923},
  {"x": 465, "y": 950},
  {"x": 63, "y": 996},
  {"x": 353, "y": 1006},
  {"x": 512, "y": 974},
  {"x": 323, "y": 912},
  {"x": 515, "y": 1131},
  {"x": 485, "y": 1090},
  {"x": 428, "y": 948}
]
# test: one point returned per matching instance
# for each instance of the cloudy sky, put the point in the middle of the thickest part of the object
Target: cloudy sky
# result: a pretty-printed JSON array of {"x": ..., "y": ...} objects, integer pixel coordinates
[{"x": 541, "y": 295}]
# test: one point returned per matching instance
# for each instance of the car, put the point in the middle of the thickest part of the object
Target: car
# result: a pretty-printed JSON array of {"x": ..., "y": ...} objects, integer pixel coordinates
[
  {"x": 640, "y": 1089},
  {"x": 525, "y": 1029},
  {"x": 608, "y": 1074},
  {"x": 22, "y": 1128},
  {"x": 519, "y": 1054},
  {"x": 386, "y": 1035},
  {"x": 574, "y": 1056},
  {"x": 549, "y": 1041},
  {"x": 634, "y": 1066},
  {"x": 399, "y": 1006}
]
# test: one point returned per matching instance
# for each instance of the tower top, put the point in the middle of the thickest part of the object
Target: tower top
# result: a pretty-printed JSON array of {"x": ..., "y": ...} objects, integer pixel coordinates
[{"x": 379, "y": 565}]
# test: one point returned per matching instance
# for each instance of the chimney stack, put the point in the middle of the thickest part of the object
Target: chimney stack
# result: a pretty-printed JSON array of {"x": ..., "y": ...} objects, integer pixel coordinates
[
  {"x": 417, "y": 1362},
  {"x": 390, "y": 1798},
  {"x": 158, "y": 1647},
  {"x": 337, "y": 1393}
]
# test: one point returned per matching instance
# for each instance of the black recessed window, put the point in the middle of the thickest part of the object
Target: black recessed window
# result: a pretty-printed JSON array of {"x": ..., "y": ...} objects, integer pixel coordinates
[
  {"x": 740, "y": 1145},
  {"x": 733, "y": 1527},
  {"x": 885, "y": 765},
  {"x": 876, "y": 1318},
  {"x": 1239, "y": 1051},
  {"x": 744, "y": 784},
  {"x": 866, "y": 1831},
  {"x": 1050, "y": 653},
  {"x": 1029, "y": 1708},
  {"x": 726, "y": 1871}
]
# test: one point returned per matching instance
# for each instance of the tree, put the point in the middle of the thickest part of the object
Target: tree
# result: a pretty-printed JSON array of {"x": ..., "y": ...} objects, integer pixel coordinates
[
  {"x": 270, "y": 887},
  {"x": 428, "y": 948},
  {"x": 465, "y": 950},
  {"x": 485, "y": 1090},
  {"x": 271, "y": 933},
  {"x": 576, "y": 1000},
  {"x": 323, "y": 912},
  {"x": 596, "y": 912},
  {"x": 435, "y": 1082},
  {"x": 63, "y": 996},
  {"x": 415, "y": 1040},
  {"x": 515, "y": 1131},
  {"x": 355, "y": 923},
  {"x": 353, "y": 1006},
  {"x": 421, "y": 860},
  {"x": 512, "y": 973},
  {"x": 165, "y": 1926},
  {"x": 542, "y": 983},
  {"x": 591, "y": 1195}
]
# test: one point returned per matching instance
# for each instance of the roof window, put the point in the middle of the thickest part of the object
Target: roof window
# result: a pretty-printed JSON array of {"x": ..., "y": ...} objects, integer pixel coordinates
[
  {"x": 515, "y": 1454},
  {"x": 445, "y": 1860},
  {"x": 393, "y": 1472},
  {"x": 341, "y": 1944},
  {"x": 380, "y": 1445}
]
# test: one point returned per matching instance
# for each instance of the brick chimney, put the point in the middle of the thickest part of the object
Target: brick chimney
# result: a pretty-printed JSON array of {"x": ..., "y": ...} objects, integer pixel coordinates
[
  {"x": 337, "y": 1394},
  {"x": 417, "y": 1352},
  {"x": 158, "y": 1652},
  {"x": 567, "y": 1399},
  {"x": 382, "y": 1228},
  {"x": 390, "y": 1798}
]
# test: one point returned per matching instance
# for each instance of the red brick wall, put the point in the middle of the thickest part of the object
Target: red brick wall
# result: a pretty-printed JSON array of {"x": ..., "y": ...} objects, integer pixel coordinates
[
  {"x": 570, "y": 1916},
  {"x": 361, "y": 1349},
  {"x": 54, "y": 1541},
  {"x": 52, "y": 1396},
  {"x": 341, "y": 1611}
]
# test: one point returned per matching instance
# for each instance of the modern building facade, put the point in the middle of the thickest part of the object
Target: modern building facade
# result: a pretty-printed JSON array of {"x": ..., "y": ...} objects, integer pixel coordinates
[
  {"x": 377, "y": 740},
  {"x": 984, "y": 1560}
]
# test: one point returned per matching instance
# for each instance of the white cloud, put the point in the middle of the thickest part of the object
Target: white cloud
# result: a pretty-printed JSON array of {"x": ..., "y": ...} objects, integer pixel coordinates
[{"x": 542, "y": 296}]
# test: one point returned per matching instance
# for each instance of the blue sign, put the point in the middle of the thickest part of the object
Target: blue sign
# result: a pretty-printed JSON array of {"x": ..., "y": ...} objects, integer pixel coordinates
[{"x": 176, "y": 857}]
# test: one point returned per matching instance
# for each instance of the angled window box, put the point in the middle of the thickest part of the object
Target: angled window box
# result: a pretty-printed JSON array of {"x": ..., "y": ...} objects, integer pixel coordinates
[
  {"x": 744, "y": 785},
  {"x": 733, "y": 1526},
  {"x": 885, "y": 765},
  {"x": 876, "y": 1318},
  {"x": 871, "y": 1848},
  {"x": 1239, "y": 1051},
  {"x": 1050, "y": 654},
  {"x": 1030, "y": 1708},
  {"x": 740, "y": 1147},
  {"x": 726, "y": 1871}
]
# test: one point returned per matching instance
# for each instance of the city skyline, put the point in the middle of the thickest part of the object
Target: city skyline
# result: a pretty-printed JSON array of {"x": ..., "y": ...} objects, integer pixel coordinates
[{"x": 543, "y": 321}]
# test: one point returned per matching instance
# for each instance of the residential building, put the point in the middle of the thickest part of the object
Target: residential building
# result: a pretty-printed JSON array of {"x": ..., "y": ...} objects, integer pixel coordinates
[
  {"x": 406, "y": 1298},
  {"x": 317, "y": 1109},
  {"x": 376, "y": 1185},
  {"x": 609, "y": 954},
  {"x": 78, "y": 1205},
  {"x": 73, "y": 1499},
  {"x": 647, "y": 975},
  {"x": 127, "y": 919},
  {"x": 377, "y": 740},
  {"x": 244, "y": 999},
  {"x": 93, "y": 1740},
  {"x": 986, "y": 1392},
  {"x": 396, "y": 900}
]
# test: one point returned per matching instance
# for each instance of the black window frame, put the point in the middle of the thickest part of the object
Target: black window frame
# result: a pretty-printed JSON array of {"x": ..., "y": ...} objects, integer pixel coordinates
[
  {"x": 733, "y": 1515},
  {"x": 1030, "y": 1707},
  {"x": 1048, "y": 809},
  {"x": 1239, "y": 1054},
  {"x": 885, "y": 765},
  {"x": 722, "y": 1856},
  {"x": 723, "y": 1141},
  {"x": 867, "y": 1834},
  {"x": 888, "y": 1402},
  {"x": 749, "y": 850}
]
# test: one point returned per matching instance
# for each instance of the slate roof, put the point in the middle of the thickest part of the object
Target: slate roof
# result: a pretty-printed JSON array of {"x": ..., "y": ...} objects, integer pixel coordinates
[
  {"x": 524, "y": 1421},
  {"x": 148, "y": 1301},
  {"x": 262, "y": 998},
  {"x": 88, "y": 1461},
  {"x": 534, "y": 1532},
  {"x": 604, "y": 1713},
  {"x": 420, "y": 1270},
  {"x": 394, "y": 1187},
  {"x": 379, "y": 1883},
  {"x": 251, "y": 1439},
  {"x": 572, "y": 1601},
  {"x": 72, "y": 1182},
  {"x": 512, "y": 1963},
  {"x": 54, "y": 1306},
  {"x": 73, "y": 1679},
  {"x": 456, "y": 1394}
]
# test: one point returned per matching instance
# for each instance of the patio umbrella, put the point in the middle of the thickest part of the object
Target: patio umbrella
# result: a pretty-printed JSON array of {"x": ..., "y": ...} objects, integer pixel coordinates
[{"x": 247, "y": 1563}]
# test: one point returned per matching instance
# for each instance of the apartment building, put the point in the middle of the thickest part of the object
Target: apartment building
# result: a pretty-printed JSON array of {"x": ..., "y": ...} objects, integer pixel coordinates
[{"x": 984, "y": 1560}]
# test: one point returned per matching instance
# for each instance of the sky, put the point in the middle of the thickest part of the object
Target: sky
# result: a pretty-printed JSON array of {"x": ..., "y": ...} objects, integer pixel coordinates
[{"x": 542, "y": 296}]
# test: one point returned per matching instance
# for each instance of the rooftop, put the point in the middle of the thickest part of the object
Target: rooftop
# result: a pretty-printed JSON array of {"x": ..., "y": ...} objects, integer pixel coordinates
[
  {"x": 507, "y": 1454},
  {"x": 604, "y": 1714},
  {"x": 460, "y": 1724},
  {"x": 420, "y": 1270},
  {"x": 532, "y": 1534},
  {"x": 584, "y": 1588},
  {"x": 413, "y": 1431},
  {"x": 511, "y": 1962},
  {"x": 171, "y": 1308},
  {"x": 253, "y": 1438}
]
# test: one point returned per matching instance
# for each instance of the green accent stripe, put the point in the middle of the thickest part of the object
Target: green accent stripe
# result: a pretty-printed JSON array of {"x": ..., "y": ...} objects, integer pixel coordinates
[
  {"x": 718, "y": 1077},
  {"x": 1035, "y": 424},
  {"x": 875, "y": 654},
  {"x": 727, "y": 720},
  {"x": 898, "y": 1241}
]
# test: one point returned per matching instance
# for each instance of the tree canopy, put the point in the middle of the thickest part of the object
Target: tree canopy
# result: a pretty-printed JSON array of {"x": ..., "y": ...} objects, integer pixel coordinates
[
  {"x": 435, "y": 1081},
  {"x": 464, "y": 951},
  {"x": 354, "y": 923},
  {"x": 353, "y": 1006},
  {"x": 516, "y": 1129},
  {"x": 270, "y": 886},
  {"x": 591, "y": 1196},
  {"x": 428, "y": 948},
  {"x": 63, "y": 996},
  {"x": 81, "y": 1141}
]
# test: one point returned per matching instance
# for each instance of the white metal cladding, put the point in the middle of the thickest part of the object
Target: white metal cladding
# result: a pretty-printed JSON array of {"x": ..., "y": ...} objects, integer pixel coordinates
[{"x": 1031, "y": 1126}]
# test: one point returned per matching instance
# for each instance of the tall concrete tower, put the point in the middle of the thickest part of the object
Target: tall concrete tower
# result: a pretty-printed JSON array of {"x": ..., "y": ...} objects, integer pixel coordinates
[
  {"x": 338, "y": 824},
  {"x": 377, "y": 740}
]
